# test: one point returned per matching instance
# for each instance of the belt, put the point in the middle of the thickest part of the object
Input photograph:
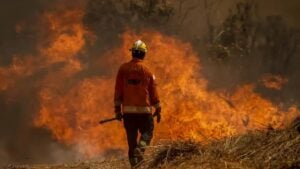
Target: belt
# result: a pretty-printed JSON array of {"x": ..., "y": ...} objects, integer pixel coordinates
[{"x": 137, "y": 109}]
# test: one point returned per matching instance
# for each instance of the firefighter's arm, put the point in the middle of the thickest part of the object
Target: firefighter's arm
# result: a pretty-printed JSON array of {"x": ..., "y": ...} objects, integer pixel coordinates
[
  {"x": 118, "y": 97},
  {"x": 154, "y": 98}
]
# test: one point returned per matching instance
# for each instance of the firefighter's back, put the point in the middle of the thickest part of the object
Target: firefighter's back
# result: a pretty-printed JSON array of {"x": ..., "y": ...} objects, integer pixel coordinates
[{"x": 136, "y": 79}]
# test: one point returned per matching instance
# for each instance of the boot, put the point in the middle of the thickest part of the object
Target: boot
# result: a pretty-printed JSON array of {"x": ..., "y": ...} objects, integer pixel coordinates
[
  {"x": 138, "y": 153},
  {"x": 142, "y": 145},
  {"x": 135, "y": 162}
]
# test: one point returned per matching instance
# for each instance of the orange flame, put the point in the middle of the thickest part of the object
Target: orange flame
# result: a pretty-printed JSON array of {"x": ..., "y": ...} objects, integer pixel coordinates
[
  {"x": 189, "y": 109},
  {"x": 275, "y": 82}
]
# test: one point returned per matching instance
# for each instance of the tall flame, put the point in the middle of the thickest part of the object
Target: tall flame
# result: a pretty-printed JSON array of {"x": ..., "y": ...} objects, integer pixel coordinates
[{"x": 189, "y": 109}]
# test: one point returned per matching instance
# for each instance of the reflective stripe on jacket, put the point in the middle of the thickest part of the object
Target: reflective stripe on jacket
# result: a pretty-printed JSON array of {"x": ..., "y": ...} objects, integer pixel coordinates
[
  {"x": 137, "y": 109},
  {"x": 135, "y": 88}
]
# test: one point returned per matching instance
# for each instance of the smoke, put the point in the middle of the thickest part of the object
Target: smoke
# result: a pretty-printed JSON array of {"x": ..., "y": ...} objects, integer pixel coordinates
[
  {"x": 10, "y": 42},
  {"x": 264, "y": 34},
  {"x": 21, "y": 71},
  {"x": 289, "y": 10},
  {"x": 24, "y": 32}
]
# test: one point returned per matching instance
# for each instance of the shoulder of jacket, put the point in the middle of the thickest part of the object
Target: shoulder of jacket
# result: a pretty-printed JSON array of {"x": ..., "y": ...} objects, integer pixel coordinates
[
  {"x": 124, "y": 66},
  {"x": 147, "y": 70}
]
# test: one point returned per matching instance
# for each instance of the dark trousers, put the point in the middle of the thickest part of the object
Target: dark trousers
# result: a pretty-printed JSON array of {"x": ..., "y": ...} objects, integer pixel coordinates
[{"x": 138, "y": 123}]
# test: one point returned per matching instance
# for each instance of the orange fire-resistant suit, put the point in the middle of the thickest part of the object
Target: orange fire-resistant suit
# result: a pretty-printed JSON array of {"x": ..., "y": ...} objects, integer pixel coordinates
[{"x": 135, "y": 92}]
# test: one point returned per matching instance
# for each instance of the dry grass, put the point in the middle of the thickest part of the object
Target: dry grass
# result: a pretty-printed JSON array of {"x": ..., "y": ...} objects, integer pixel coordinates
[
  {"x": 272, "y": 149},
  {"x": 257, "y": 149}
]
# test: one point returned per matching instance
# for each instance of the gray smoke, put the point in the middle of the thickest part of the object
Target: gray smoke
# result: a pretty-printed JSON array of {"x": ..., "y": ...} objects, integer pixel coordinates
[{"x": 20, "y": 142}]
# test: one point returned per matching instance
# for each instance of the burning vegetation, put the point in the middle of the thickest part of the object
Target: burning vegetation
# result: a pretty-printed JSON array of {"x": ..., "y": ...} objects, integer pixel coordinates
[{"x": 67, "y": 84}]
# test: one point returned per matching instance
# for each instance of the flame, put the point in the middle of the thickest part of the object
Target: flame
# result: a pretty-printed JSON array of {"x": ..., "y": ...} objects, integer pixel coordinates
[
  {"x": 71, "y": 106},
  {"x": 19, "y": 68},
  {"x": 68, "y": 35},
  {"x": 189, "y": 109},
  {"x": 275, "y": 82}
]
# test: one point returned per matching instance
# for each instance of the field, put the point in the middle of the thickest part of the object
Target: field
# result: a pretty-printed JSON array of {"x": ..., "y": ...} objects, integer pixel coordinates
[{"x": 271, "y": 149}]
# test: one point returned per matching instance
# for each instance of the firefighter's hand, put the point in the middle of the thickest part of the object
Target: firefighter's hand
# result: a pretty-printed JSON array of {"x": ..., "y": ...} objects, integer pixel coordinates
[
  {"x": 118, "y": 113},
  {"x": 119, "y": 116},
  {"x": 157, "y": 114}
]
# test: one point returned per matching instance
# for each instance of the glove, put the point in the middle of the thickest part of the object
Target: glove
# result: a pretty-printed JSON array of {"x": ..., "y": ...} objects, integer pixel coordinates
[
  {"x": 118, "y": 113},
  {"x": 157, "y": 114}
]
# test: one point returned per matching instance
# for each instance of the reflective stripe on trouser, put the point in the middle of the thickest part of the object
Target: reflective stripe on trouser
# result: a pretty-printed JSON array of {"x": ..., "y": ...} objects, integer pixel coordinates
[{"x": 137, "y": 109}]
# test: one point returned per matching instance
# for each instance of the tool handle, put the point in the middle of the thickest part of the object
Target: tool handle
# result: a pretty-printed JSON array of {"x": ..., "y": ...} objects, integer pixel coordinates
[{"x": 107, "y": 120}]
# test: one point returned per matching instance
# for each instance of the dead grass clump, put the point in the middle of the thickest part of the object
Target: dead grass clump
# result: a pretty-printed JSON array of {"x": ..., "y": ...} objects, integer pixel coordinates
[
  {"x": 174, "y": 150},
  {"x": 256, "y": 149}
]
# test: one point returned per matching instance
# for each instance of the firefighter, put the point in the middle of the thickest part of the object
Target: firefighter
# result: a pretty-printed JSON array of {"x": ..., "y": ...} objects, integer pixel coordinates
[{"x": 135, "y": 97}]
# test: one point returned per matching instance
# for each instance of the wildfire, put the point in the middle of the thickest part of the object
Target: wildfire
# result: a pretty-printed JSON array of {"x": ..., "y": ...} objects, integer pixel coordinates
[
  {"x": 189, "y": 109},
  {"x": 70, "y": 107}
]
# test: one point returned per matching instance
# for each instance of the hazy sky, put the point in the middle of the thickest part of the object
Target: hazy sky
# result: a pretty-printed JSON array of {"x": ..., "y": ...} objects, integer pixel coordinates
[{"x": 289, "y": 9}]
